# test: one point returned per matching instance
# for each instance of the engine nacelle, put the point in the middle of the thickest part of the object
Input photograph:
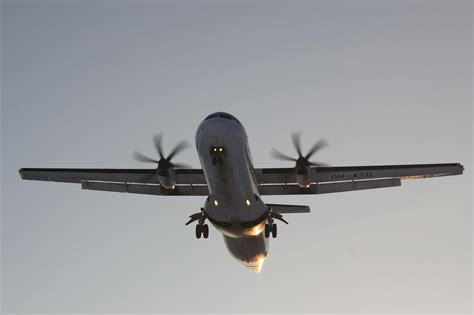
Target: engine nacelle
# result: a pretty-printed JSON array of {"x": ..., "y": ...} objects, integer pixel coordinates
[
  {"x": 302, "y": 177},
  {"x": 167, "y": 178}
]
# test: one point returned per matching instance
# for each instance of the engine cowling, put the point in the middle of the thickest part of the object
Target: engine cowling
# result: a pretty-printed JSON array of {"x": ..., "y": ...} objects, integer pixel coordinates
[
  {"x": 167, "y": 178},
  {"x": 302, "y": 177}
]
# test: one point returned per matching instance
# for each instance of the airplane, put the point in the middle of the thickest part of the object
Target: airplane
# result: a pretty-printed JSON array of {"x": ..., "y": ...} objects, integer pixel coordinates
[{"x": 234, "y": 188}]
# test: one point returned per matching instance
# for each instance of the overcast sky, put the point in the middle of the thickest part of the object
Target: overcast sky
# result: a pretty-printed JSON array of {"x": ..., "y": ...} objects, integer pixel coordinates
[{"x": 85, "y": 83}]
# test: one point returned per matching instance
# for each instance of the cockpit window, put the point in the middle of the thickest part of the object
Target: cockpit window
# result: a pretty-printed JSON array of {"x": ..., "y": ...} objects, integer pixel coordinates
[
  {"x": 226, "y": 116},
  {"x": 222, "y": 115},
  {"x": 212, "y": 116}
]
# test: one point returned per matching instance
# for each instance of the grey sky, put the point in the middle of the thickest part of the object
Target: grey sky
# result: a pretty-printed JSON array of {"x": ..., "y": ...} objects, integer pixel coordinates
[{"x": 85, "y": 83}]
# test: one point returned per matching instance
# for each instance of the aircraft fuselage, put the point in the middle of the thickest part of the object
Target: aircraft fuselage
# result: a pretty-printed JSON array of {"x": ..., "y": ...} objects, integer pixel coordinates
[{"x": 234, "y": 206}]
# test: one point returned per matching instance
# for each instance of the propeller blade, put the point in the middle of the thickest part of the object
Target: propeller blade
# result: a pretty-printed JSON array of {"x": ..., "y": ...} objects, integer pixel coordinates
[
  {"x": 178, "y": 148},
  {"x": 157, "y": 140},
  {"x": 143, "y": 158},
  {"x": 181, "y": 165},
  {"x": 318, "y": 164},
  {"x": 316, "y": 147},
  {"x": 296, "y": 138},
  {"x": 281, "y": 156}
]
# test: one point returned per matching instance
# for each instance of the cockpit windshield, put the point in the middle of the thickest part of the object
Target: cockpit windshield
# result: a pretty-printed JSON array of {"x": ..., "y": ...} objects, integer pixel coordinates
[
  {"x": 215, "y": 115},
  {"x": 222, "y": 115}
]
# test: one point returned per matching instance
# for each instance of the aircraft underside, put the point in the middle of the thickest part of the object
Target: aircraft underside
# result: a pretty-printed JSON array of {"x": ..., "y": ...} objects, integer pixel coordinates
[{"x": 234, "y": 188}]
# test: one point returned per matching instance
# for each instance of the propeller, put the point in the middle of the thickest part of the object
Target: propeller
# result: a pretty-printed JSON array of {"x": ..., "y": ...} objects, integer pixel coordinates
[
  {"x": 165, "y": 161},
  {"x": 302, "y": 161}
]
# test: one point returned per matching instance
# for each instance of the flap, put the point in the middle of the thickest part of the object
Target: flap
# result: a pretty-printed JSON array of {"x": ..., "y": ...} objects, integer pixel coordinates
[
  {"x": 321, "y": 188},
  {"x": 288, "y": 208},
  {"x": 149, "y": 189}
]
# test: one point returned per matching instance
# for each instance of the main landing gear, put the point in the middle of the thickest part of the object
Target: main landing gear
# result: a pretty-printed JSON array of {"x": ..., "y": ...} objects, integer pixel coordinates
[
  {"x": 270, "y": 226},
  {"x": 270, "y": 229},
  {"x": 202, "y": 229}
]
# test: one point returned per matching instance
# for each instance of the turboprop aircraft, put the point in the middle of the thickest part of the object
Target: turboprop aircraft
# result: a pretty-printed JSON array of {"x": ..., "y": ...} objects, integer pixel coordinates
[{"x": 234, "y": 188}]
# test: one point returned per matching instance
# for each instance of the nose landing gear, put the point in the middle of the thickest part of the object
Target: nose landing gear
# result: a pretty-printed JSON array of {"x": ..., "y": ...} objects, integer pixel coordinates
[
  {"x": 217, "y": 153},
  {"x": 202, "y": 229},
  {"x": 216, "y": 160}
]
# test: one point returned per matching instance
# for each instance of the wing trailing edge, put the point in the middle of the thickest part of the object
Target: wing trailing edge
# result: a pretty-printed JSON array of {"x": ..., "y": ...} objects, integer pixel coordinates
[{"x": 279, "y": 208}]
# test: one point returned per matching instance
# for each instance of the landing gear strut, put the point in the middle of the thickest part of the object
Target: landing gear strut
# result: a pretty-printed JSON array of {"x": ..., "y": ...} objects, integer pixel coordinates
[{"x": 202, "y": 229}]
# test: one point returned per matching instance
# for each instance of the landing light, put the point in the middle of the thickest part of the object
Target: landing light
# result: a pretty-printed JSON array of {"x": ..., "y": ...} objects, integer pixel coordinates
[
  {"x": 216, "y": 203},
  {"x": 247, "y": 202}
]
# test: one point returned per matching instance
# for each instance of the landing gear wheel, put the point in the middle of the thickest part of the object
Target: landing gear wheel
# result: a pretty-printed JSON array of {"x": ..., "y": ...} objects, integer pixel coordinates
[
  {"x": 198, "y": 231},
  {"x": 267, "y": 230},
  {"x": 274, "y": 230},
  {"x": 205, "y": 230}
]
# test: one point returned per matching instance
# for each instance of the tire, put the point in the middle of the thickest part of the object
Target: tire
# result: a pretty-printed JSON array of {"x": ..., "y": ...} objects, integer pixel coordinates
[
  {"x": 205, "y": 230},
  {"x": 267, "y": 230},
  {"x": 274, "y": 230},
  {"x": 198, "y": 231}
]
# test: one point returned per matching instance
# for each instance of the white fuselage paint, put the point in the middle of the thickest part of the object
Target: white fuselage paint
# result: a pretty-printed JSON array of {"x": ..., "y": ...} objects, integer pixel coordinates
[{"x": 233, "y": 206}]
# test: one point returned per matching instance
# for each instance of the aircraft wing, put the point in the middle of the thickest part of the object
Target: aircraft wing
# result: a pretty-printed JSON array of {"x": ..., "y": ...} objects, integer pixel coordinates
[
  {"x": 271, "y": 181},
  {"x": 189, "y": 182},
  {"x": 282, "y": 181}
]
